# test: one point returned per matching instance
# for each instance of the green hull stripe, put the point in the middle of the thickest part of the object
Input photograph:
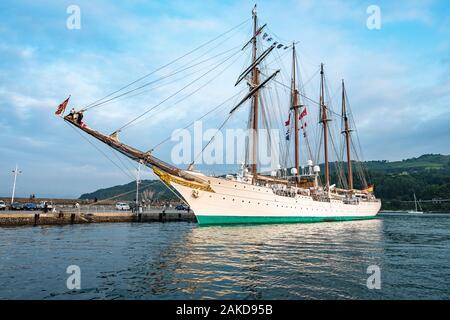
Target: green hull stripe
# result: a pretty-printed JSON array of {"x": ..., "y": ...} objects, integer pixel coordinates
[{"x": 215, "y": 220}]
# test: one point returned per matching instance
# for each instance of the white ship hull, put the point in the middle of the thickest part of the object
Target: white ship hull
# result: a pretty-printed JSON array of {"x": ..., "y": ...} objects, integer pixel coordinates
[{"x": 233, "y": 202}]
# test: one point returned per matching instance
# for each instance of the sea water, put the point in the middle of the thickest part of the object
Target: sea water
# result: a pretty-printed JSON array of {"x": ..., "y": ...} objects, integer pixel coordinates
[{"x": 184, "y": 261}]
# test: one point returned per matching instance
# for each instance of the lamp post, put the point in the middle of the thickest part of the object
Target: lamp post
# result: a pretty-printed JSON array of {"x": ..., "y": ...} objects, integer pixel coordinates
[
  {"x": 138, "y": 181},
  {"x": 16, "y": 172}
]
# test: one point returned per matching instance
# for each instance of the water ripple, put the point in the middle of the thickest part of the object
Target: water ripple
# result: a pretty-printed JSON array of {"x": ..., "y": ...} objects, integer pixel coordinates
[{"x": 184, "y": 261}]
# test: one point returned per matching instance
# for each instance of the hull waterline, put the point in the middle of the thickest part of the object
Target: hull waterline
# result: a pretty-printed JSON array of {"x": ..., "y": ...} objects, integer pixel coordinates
[{"x": 208, "y": 220}]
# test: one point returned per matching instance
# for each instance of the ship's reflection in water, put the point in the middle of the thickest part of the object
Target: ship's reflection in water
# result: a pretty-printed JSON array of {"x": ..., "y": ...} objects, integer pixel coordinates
[
  {"x": 184, "y": 261},
  {"x": 279, "y": 261}
]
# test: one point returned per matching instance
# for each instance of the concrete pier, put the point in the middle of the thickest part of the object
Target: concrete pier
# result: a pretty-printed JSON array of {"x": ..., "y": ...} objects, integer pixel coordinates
[{"x": 18, "y": 218}]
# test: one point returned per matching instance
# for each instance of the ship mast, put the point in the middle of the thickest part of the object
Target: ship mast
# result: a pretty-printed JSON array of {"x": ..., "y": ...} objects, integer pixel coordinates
[
  {"x": 295, "y": 106},
  {"x": 347, "y": 138},
  {"x": 254, "y": 84},
  {"x": 324, "y": 121}
]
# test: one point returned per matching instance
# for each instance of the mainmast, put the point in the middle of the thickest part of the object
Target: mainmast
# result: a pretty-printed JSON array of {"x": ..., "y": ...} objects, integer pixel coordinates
[
  {"x": 295, "y": 106},
  {"x": 347, "y": 138},
  {"x": 324, "y": 121},
  {"x": 254, "y": 84}
]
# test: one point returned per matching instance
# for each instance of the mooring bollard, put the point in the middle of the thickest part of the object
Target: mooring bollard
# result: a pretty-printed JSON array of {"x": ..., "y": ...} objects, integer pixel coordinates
[{"x": 36, "y": 219}]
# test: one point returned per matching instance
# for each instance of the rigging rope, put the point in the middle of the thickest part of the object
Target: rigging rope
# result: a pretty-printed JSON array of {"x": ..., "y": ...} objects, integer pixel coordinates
[
  {"x": 174, "y": 94},
  {"x": 208, "y": 82},
  {"x": 99, "y": 150},
  {"x": 211, "y": 140},
  {"x": 202, "y": 117},
  {"x": 169, "y": 63},
  {"x": 307, "y": 98},
  {"x": 160, "y": 79}
]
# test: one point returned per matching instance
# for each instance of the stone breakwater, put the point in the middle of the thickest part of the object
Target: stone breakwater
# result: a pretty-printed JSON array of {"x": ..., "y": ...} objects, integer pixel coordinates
[{"x": 19, "y": 218}]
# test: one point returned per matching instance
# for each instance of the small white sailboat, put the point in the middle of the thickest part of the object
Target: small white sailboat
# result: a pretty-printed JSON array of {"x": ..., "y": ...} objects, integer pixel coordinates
[{"x": 416, "y": 206}]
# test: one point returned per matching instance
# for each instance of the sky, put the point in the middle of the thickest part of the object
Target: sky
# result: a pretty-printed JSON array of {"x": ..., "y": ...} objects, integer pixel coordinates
[{"x": 398, "y": 77}]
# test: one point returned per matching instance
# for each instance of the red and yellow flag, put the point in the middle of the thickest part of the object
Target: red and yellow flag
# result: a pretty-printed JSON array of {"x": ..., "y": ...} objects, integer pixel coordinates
[{"x": 369, "y": 188}]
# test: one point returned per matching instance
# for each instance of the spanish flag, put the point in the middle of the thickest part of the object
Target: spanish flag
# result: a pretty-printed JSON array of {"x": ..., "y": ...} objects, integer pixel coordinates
[{"x": 369, "y": 188}]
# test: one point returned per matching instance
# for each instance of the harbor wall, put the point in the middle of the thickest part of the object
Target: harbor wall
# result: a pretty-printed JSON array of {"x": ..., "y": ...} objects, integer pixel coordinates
[{"x": 20, "y": 218}]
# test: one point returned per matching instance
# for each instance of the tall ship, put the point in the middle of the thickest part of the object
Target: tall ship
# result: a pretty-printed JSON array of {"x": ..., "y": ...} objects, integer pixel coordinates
[{"x": 314, "y": 189}]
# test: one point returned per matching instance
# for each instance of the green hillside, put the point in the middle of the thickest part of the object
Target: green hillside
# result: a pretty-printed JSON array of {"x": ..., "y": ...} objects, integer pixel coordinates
[
  {"x": 149, "y": 190},
  {"x": 427, "y": 176},
  {"x": 426, "y": 162}
]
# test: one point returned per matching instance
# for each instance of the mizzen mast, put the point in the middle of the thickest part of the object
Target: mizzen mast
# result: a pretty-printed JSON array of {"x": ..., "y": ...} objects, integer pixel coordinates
[
  {"x": 324, "y": 120},
  {"x": 255, "y": 104},
  {"x": 347, "y": 138}
]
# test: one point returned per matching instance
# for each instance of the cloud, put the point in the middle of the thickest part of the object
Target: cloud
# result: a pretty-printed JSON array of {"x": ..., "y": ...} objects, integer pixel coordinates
[
  {"x": 23, "y": 104},
  {"x": 418, "y": 11}
]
